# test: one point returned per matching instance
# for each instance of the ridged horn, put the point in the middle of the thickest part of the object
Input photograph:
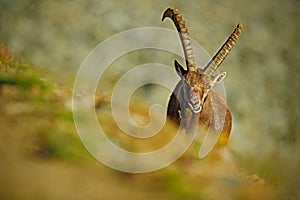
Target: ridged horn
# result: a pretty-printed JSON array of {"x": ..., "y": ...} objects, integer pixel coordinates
[
  {"x": 216, "y": 61},
  {"x": 173, "y": 14}
]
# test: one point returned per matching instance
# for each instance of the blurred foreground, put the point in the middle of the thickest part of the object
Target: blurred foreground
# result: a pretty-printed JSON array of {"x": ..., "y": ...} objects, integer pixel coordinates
[
  {"x": 41, "y": 154},
  {"x": 42, "y": 157}
]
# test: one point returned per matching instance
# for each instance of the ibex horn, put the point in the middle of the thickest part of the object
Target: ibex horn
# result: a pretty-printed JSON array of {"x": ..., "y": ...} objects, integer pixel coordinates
[
  {"x": 173, "y": 14},
  {"x": 216, "y": 61}
]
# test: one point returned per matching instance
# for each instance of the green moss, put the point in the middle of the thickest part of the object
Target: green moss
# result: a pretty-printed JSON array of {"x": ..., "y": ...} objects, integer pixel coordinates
[
  {"x": 61, "y": 144},
  {"x": 22, "y": 80},
  {"x": 180, "y": 188}
]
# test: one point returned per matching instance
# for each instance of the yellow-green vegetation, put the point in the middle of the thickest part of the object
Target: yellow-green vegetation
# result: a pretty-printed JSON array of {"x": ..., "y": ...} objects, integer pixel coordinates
[
  {"x": 40, "y": 151},
  {"x": 43, "y": 158}
]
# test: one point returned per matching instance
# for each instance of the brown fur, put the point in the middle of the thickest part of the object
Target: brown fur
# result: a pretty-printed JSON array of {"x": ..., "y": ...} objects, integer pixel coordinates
[{"x": 194, "y": 93}]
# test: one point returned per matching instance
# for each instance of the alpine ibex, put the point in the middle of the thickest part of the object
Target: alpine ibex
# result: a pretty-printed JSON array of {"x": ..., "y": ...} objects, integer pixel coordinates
[{"x": 194, "y": 97}]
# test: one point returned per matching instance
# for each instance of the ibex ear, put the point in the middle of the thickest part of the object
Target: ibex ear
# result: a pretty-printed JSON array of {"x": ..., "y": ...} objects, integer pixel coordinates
[
  {"x": 181, "y": 72},
  {"x": 217, "y": 79}
]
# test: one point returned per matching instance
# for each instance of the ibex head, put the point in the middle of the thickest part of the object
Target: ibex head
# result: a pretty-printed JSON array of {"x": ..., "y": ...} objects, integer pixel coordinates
[{"x": 195, "y": 85}]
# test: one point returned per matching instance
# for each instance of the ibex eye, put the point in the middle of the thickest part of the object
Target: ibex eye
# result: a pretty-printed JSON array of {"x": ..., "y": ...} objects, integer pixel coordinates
[{"x": 187, "y": 86}]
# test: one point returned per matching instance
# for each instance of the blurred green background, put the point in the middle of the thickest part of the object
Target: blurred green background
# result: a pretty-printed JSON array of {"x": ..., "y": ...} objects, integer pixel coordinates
[{"x": 262, "y": 83}]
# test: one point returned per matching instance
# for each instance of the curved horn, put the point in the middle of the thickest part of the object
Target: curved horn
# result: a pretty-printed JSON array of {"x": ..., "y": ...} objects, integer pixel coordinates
[
  {"x": 216, "y": 61},
  {"x": 173, "y": 14}
]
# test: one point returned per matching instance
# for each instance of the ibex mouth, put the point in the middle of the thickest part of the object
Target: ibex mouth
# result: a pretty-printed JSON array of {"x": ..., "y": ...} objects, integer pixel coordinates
[{"x": 195, "y": 103}]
